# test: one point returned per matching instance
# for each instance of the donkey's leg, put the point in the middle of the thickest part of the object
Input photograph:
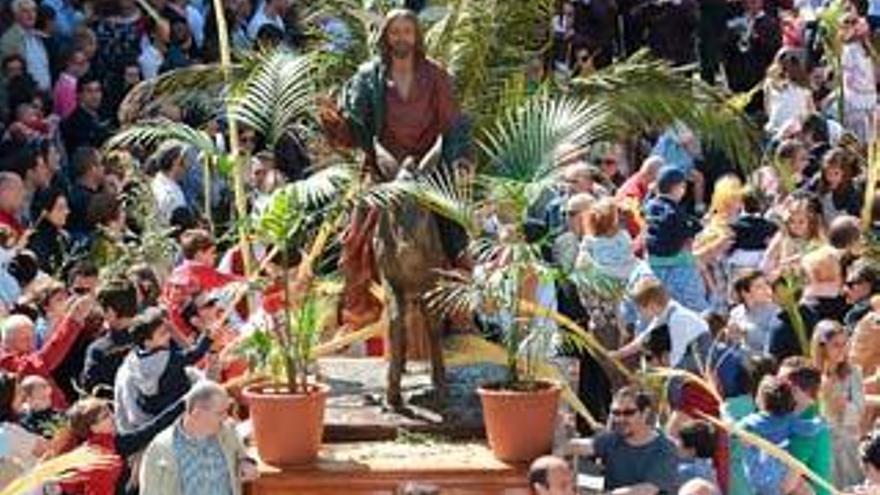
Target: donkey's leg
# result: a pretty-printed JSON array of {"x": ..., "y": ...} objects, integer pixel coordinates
[
  {"x": 434, "y": 327},
  {"x": 397, "y": 337}
]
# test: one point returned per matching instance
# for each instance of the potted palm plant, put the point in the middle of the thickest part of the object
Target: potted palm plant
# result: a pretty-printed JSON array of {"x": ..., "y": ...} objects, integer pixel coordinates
[{"x": 283, "y": 350}]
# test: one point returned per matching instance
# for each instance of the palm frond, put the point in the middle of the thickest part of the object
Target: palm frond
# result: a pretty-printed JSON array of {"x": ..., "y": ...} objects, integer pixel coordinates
[
  {"x": 277, "y": 93},
  {"x": 293, "y": 206},
  {"x": 524, "y": 144},
  {"x": 56, "y": 469},
  {"x": 643, "y": 93},
  {"x": 151, "y": 133}
]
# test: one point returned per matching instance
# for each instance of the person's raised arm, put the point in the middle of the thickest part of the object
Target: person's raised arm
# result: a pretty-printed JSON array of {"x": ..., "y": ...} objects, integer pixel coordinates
[{"x": 62, "y": 339}]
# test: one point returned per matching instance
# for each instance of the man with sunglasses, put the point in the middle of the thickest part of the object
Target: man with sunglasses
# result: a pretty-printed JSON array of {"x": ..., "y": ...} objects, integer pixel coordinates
[
  {"x": 861, "y": 278},
  {"x": 638, "y": 459}
]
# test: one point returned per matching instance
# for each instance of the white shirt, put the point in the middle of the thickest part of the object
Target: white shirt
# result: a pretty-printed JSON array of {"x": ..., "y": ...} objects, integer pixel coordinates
[
  {"x": 261, "y": 18},
  {"x": 784, "y": 103},
  {"x": 196, "y": 22},
  {"x": 150, "y": 61},
  {"x": 37, "y": 60},
  {"x": 168, "y": 194},
  {"x": 685, "y": 326}
]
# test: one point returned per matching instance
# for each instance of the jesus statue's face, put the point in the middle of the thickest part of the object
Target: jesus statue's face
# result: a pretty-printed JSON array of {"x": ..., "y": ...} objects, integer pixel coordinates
[{"x": 402, "y": 38}]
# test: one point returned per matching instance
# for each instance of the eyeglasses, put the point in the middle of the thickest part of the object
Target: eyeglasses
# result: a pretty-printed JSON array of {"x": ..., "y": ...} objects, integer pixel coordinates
[
  {"x": 850, "y": 283},
  {"x": 624, "y": 413}
]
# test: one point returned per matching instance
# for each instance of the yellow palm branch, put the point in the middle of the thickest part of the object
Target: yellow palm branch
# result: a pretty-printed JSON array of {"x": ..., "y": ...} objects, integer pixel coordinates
[{"x": 56, "y": 469}]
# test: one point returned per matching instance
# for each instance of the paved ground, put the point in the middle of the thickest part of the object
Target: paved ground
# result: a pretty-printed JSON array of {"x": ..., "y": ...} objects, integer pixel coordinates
[{"x": 356, "y": 411}]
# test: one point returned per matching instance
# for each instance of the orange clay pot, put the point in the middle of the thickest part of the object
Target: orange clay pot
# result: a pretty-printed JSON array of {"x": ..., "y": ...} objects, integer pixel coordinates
[
  {"x": 520, "y": 424},
  {"x": 287, "y": 427}
]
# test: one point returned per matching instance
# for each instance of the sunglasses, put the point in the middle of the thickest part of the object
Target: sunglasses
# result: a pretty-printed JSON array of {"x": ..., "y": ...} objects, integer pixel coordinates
[
  {"x": 81, "y": 291},
  {"x": 624, "y": 413}
]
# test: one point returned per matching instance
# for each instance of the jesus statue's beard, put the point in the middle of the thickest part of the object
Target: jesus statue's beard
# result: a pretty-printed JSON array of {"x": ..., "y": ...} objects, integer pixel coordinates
[{"x": 401, "y": 50}]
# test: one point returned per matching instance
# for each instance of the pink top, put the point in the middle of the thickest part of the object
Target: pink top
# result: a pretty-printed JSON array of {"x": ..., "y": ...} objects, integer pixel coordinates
[{"x": 64, "y": 95}]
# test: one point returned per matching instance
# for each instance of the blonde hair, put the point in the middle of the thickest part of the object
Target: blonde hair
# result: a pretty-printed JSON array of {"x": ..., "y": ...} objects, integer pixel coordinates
[
  {"x": 729, "y": 190},
  {"x": 822, "y": 265},
  {"x": 650, "y": 291},
  {"x": 803, "y": 206},
  {"x": 604, "y": 218}
]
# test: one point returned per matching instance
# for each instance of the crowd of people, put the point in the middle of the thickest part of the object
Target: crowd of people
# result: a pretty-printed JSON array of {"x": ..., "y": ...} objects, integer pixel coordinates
[{"x": 760, "y": 276}]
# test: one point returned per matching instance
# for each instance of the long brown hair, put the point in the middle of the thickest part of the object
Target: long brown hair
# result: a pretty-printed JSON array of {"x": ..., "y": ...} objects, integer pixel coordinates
[
  {"x": 390, "y": 18},
  {"x": 825, "y": 331}
]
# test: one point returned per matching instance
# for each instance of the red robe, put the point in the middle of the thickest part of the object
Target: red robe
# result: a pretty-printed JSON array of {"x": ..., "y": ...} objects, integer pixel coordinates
[{"x": 44, "y": 361}]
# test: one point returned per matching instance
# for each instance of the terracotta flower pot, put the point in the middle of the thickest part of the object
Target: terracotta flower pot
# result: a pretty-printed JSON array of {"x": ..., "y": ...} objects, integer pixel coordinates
[
  {"x": 520, "y": 425},
  {"x": 287, "y": 427}
]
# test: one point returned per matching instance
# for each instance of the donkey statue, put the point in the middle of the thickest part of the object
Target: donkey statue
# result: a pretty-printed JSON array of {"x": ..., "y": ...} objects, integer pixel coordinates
[{"x": 409, "y": 253}]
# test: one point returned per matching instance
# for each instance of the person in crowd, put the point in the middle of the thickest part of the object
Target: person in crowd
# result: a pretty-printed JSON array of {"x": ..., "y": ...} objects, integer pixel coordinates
[
  {"x": 104, "y": 356},
  {"x": 816, "y": 452},
  {"x": 549, "y": 475},
  {"x": 87, "y": 176},
  {"x": 801, "y": 233},
  {"x": 23, "y": 448},
  {"x": 49, "y": 239},
  {"x": 85, "y": 126},
  {"x": 23, "y": 39},
  {"x": 197, "y": 273},
  {"x": 712, "y": 245},
  {"x": 843, "y": 398},
  {"x": 166, "y": 184},
  {"x": 838, "y": 190},
  {"x": 636, "y": 456},
  {"x": 861, "y": 283},
  {"x": 64, "y": 94},
  {"x": 822, "y": 298},
  {"x": 757, "y": 313},
  {"x": 787, "y": 95},
  {"x": 267, "y": 12},
  {"x": 199, "y": 449},
  {"x": 154, "y": 373},
  {"x": 859, "y": 81},
  {"x": 633, "y": 192},
  {"x": 11, "y": 203},
  {"x": 697, "y": 443},
  {"x": 91, "y": 424},
  {"x": 869, "y": 452},
  {"x": 37, "y": 414},
  {"x": 669, "y": 231},
  {"x": 51, "y": 300},
  {"x": 774, "y": 421},
  {"x": 19, "y": 355},
  {"x": 792, "y": 158},
  {"x": 107, "y": 214},
  {"x": 752, "y": 233}
]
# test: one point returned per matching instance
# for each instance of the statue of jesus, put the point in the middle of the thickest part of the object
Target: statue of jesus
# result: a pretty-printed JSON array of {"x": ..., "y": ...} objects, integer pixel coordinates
[{"x": 405, "y": 101}]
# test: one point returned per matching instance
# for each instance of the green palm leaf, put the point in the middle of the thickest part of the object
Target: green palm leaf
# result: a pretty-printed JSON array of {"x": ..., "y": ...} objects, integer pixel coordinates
[
  {"x": 644, "y": 93},
  {"x": 151, "y": 133},
  {"x": 276, "y": 94},
  {"x": 524, "y": 144}
]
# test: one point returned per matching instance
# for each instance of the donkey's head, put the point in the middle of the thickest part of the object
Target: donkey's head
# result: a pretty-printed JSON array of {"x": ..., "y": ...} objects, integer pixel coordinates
[{"x": 390, "y": 169}]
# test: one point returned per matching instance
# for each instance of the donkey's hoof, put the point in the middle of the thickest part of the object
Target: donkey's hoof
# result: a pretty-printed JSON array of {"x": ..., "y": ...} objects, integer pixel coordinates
[{"x": 394, "y": 402}]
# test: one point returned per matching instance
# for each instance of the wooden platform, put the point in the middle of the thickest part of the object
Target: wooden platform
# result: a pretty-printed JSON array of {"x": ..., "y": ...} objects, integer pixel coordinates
[{"x": 379, "y": 468}]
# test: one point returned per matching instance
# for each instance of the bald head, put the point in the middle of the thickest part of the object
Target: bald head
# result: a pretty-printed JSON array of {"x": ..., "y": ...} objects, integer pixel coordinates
[
  {"x": 11, "y": 193},
  {"x": 650, "y": 167},
  {"x": 550, "y": 475},
  {"x": 698, "y": 486}
]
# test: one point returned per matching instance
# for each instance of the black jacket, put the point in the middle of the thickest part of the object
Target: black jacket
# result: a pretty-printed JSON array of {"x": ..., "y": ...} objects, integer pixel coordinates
[
  {"x": 103, "y": 358},
  {"x": 783, "y": 337}
]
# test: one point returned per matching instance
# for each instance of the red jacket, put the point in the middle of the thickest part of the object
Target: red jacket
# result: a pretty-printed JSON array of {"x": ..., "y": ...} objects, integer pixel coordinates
[
  {"x": 187, "y": 280},
  {"x": 99, "y": 480},
  {"x": 12, "y": 223},
  {"x": 44, "y": 361}
]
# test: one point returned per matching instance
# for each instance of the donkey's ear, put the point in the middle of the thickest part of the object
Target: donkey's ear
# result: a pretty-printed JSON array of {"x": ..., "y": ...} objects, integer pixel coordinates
[
  {"x": 385, "y": 161},
  {"x": 432, "y": 158}
]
